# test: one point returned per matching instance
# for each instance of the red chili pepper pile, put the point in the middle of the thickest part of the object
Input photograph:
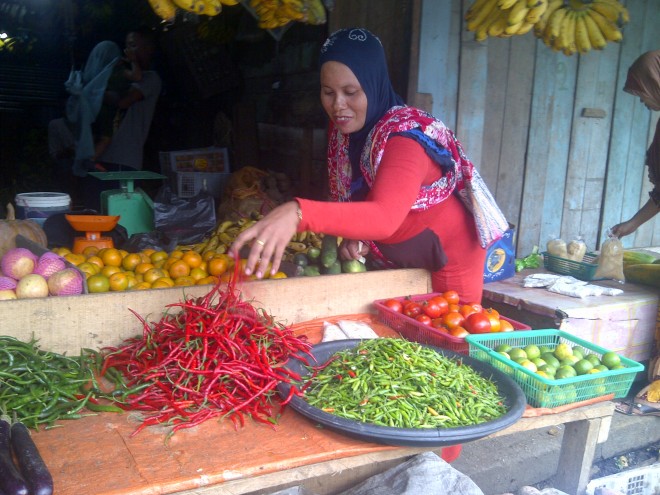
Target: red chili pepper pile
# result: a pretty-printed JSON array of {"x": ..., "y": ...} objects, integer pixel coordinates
[{"x": 217, "y": 356}]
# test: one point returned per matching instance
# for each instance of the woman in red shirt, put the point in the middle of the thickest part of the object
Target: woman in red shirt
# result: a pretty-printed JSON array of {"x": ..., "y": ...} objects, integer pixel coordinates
[{"x": 403, "y": 191}]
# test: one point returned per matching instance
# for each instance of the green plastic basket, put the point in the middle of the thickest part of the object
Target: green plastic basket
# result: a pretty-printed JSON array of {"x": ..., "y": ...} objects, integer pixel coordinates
[{"x": 545, "y": 392}]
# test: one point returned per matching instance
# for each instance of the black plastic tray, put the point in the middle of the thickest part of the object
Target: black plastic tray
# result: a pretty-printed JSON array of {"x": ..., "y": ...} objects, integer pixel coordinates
[{"x": 514, "y": 400}]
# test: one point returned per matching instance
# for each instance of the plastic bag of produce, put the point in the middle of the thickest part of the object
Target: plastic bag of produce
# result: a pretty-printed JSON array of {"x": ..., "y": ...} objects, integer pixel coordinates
[
  {"x": 184, "y": 220},
  {"x": 610, "y": 261}
]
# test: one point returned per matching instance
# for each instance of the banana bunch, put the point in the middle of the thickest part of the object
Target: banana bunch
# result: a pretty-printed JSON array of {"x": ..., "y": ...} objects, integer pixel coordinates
[
  {"x": 166, "y": 9},
  {"x": 503, "y": 18},
  {"x": 579, "y": 26},
  {"x": 272, "y": 14}
]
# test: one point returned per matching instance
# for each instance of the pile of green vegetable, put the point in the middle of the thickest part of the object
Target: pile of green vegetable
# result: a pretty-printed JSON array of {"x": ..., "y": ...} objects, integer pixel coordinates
[{"x": 402, "y": 384}]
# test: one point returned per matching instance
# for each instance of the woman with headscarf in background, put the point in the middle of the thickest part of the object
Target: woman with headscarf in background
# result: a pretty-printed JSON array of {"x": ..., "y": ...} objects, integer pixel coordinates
[
  {"x": 403, "y": 191},
  {"x": 644, "y": 82},
  {"x": 87, "y": 89}
]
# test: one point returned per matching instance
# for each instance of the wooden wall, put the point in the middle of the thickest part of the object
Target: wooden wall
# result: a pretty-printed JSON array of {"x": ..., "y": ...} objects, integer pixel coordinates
[{"x": 517, "y": 106}]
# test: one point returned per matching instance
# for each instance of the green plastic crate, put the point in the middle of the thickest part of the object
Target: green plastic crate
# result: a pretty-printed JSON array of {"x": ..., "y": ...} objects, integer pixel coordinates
[{"x": 544, "y": 392}]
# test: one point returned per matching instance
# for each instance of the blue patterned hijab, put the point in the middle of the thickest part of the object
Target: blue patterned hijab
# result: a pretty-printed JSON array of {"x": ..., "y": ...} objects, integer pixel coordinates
[{"x": 362, "y": 52}]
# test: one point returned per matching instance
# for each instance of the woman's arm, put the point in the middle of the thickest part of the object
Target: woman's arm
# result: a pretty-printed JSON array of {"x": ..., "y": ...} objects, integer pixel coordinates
[{"x": 645, "y": 213}]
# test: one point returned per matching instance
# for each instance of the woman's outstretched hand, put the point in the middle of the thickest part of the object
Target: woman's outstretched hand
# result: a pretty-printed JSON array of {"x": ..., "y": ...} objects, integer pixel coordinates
[{"x": 268, "y": 238}]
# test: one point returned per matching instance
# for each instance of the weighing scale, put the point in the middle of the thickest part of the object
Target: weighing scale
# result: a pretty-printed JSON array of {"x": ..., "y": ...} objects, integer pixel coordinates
[
  {"x": 92, "y": 225},
  {"x": 132, "y": 204}
]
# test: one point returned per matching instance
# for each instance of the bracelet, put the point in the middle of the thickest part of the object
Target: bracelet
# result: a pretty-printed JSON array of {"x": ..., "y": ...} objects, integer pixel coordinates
[{"x": 299, "y": 213}]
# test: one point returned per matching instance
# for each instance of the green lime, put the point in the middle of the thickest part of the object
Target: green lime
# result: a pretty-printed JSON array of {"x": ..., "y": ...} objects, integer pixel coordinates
[
  {"x": 526, "y": 363},
  {"x": 532, "y": 351},
  {"x": 562, "y": 351},
  {"x": 579, "y": 351},
  {"x": 583, "y": 366},
  {"x": 601, "y": 367},
  {"x": 570, "y": 360},
  {"x": 593, "y": 358},
  {"x": 550, "y": 370},
  {"x": 538, "y": 362},
  {"x": 611, "y": 359},
  {"x": 517, "y": 353},
  {"x": 503, "y": 348},
  {"x": 550, "y": 358},
  {"x": 618, "y": 367},
  {"x": 544, "y": 349},
  {"x": 506, "y": 355},
  {"x": 565, "y": 371},
  {"x": 544, "y": 374}
]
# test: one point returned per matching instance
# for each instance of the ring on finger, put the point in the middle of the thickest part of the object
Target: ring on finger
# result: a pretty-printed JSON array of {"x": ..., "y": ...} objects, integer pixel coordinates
[{"x": 260, "y": 242}]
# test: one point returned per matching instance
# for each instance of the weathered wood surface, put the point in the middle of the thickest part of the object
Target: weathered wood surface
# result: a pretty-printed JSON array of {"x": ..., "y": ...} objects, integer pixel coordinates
[{"x": 518, "y": 108}]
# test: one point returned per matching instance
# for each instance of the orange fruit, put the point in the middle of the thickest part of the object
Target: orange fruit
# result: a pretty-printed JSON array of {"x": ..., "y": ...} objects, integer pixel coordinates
[
  {"x": 62, "y": 251},
  {"x": 192, "y": 258},
  {"x": 158, "y": 256},
  {"x": 123, "y": 253},
  {"x": 278, "y": 275},
  {"x": 132, "y": 281},
  {"x": 90, "y": 251},
  {"x": 198, "y": 273},
  {"x": 130, "y": 261},
  {"x": 98, "y": 283},
  {"x": 74, "y": 259},
  {"x": 148, "y": 251},
  {"x": 111, "y": 257},
  {"x": 217, "y": 266},
  {"x": 208, "y": 255},
  {"x": 160, "y": 263},
  {"x": 143, "y": 268},
  {"x": 176, "y": 254},
  {"x": 109, "y": 270},
  {"x": 179, "y": 269},
  {"x": 118, "y": 281},
  {"x": 506, "y": 326},
  {"x": 210, "y": 280},
  {"x": 142, "y": 286},
  {"x": 185, "y": 281},
  {"x": 162, "y": 283},
  {"x": 88, "y": 268},
  {"x": 153, "y": 274},
  {"x": 96, "y": 261}
]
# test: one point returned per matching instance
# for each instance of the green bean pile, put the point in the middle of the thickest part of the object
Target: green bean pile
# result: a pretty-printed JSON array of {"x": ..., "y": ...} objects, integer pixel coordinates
[
  {"x": 41, "y": 387},
  {"x": 398, "y": 383}
]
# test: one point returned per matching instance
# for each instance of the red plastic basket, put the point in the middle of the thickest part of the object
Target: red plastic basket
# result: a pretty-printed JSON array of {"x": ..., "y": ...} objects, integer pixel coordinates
[{"x": 411, "y": 329}]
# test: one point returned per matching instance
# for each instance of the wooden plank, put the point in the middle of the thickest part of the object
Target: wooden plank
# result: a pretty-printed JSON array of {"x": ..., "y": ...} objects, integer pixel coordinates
[
  {"x": 587, "y": 159},
  {"x": 515, "y": 129},
  {"x": 577, "y": 455},
  {"x": 547, "y": 152},
  {"x": 67, "y": 324}
]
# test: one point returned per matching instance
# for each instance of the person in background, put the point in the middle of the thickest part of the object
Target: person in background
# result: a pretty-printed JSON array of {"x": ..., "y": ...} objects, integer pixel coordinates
[
  {"x": 403, "y": 191},
  {"x": 126, "y": 148},
  {"x": 62, "y": 149},
  {"x": 643, "y": 81}
]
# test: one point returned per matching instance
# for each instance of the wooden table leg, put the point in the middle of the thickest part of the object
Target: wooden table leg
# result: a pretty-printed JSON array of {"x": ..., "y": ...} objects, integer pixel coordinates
[{"x": 577, "y": 454}]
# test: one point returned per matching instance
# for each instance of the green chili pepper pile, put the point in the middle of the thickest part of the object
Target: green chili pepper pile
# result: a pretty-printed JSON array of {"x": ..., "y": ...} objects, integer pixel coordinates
[
  {"x": 41, "y": 387},
  {"x": 398, "y": 383}
]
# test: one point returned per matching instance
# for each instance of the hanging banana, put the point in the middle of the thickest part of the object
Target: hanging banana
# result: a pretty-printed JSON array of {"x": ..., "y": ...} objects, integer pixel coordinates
[{"x": 165, "y": 9}]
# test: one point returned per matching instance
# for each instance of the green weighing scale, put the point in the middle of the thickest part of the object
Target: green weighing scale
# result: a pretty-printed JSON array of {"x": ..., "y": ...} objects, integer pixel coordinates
[{"x": 134, "y": 207}]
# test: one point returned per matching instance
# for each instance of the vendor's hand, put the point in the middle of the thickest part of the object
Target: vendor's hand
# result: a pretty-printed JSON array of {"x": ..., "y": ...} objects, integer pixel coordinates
[
  {"x": 352, "y": 250},
  {"x": 624, "y": 228},
  {"x": 270, "y": 237}
]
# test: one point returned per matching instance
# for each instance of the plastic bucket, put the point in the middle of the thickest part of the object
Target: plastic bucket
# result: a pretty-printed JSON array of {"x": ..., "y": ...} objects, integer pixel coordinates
[{"x": 38, "y": 206}]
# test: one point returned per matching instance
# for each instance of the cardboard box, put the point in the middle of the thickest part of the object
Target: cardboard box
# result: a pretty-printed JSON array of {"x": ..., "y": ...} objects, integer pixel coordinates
[
  {"x": 501, "y": 258},
  {"x": 187, "y": 170}
]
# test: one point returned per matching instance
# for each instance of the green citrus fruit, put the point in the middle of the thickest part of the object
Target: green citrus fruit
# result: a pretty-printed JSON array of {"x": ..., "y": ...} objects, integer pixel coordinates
[
  {"x": 565, "y": 371},
  {"x": 538, "y": 362},
  {"x": 532, "y": 351},
  {"x": 595, "y": 360},
  {"x": 503, "y": 348},
  {"x": 562, "y": 351},
  {"x": 550, "y": 358},
  {"x": 611, "y": 359},
  {"x": 579, "y": 351},
  {"x": 526, "y": 363},
  {"x": 550, "y": 370},
  {"x": 583, "y": 366},
  {"x": 517, "y": 353}
]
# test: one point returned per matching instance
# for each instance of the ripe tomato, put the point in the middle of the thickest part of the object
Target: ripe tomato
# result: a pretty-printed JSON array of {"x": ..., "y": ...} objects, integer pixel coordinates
[
  {"x": 451, "y": 296},
  {"x": 467, "y": 310},
  {"x": 494, "y": 318},
  {"x": 453, "y": 319},
  {"x": 412, "y": 309},
  {"x": 432, "y": 309},
  {"x": 459, "y": 332},
  {"x": 506, "y": 326},
  {"x": 439, "y": 325},
  {"x": 477, "y": 323},
  {"x": 442, "y": 303},
  {"x": 394, "y": 305},
  {"x": 454, "y": 307},
  {"x": 424, "y": 319}
]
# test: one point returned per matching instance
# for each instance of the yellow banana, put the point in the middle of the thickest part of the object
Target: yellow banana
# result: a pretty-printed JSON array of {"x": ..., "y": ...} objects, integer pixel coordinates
[
  {"x": 567, "y": 34},
  {"x": 539, "y": 27},
  {"x": 481, "y": 15},
  {"x": 609, "y": 29},
  {"x": 581, "y": 35},
  {"x": 224, "y": 226},
  {"x": 211, "y": 8},
  {"x": 624, "y": 16},
  {"x": 194, "y": 6},
  {"x": 475, "y": 8},
  {"x": 525, "y": 28},
  {"x": 511, "y": 30},
  {"x": 606, "y": 10},
  {"x": 506, "y": 4},
  {"x": 496, "y": 29},
  {"x": 481, "y": 32},
  {"x": 315, "y": 13},
  {"x": 535, "y": 13},
  {"x": 596, "y": 37},
  {"x": 165, "y": 9},
  {"x": 518, "y": 12},
  {"x": 229, "y": 2},
  {"x": 553, "y": 28}
]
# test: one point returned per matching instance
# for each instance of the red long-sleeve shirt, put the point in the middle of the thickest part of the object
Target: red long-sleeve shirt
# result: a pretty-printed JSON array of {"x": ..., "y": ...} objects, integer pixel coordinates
[{"x": 385, "y": 216}]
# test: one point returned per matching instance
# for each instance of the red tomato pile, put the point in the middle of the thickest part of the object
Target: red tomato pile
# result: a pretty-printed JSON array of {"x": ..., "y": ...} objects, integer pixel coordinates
[{"x": 447, "y": 314}]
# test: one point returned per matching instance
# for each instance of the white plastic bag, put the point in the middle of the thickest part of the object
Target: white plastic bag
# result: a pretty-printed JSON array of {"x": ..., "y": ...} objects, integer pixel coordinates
[{"x": 610, "y": 261}]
